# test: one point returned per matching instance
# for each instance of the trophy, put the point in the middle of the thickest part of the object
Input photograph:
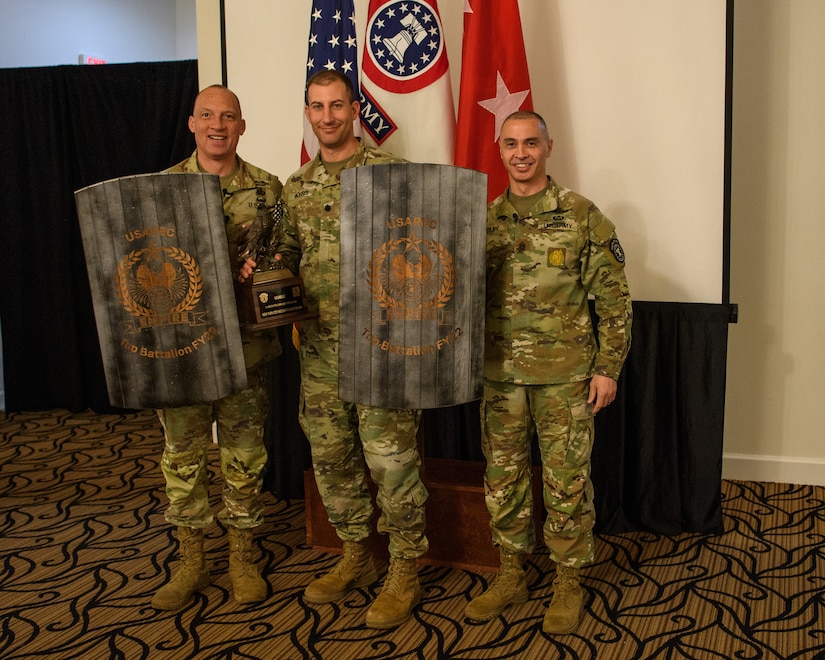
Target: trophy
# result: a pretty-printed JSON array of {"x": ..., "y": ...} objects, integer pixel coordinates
[{"x": 272, "y": 296}]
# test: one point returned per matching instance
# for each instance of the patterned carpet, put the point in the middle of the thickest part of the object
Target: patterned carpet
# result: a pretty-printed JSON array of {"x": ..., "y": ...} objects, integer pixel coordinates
[{"x": 83, "y": 546}]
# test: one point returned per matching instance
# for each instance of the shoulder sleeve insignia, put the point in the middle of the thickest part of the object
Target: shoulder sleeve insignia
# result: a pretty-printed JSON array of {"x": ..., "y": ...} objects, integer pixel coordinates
[{"x": 616, "y": 249}]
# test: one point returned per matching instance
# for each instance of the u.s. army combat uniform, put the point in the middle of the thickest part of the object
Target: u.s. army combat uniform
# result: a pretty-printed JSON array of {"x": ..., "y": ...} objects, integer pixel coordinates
[
  {"x": 540, "y": 353},
  {"x": 240, "y": 417},
  {"x": 388, "y": 437}
]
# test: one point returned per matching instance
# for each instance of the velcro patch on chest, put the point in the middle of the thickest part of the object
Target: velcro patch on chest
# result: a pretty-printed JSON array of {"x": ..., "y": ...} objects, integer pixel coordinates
[
  {"x": 555, "y": 257},
  {"x": 522, "y": 245}
]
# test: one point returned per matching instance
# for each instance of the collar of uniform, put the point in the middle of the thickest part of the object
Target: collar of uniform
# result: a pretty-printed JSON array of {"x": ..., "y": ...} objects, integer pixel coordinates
[
  {"x": 549, "y": 202},
  {"x": 242, "y": 177},
  {"x": 315, "y": 171},
  {"x": 191, "y": 165}
]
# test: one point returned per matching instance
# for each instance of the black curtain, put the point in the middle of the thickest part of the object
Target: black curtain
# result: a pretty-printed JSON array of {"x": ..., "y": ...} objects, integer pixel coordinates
[
  {"x": 657, "y": 457},
  {"x": 65, "y": 128},
  {"x": 287, "y": 446},
  {"x": 68, "y": 127}
]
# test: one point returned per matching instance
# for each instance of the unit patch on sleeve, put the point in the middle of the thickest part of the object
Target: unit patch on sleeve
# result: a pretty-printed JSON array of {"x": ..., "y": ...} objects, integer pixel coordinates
[{"x": 616, "y": 249}]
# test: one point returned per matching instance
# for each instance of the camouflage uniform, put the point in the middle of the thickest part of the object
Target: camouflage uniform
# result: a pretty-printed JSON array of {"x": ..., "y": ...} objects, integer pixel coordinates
[
  {"x": 540, "y": 353},
  {"x": 240, "y": 417},
  {"x": 334, "y": 427}
]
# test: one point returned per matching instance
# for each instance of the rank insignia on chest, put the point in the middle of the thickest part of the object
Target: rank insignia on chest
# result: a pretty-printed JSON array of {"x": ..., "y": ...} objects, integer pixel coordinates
[{"x": 555, "y": 257}]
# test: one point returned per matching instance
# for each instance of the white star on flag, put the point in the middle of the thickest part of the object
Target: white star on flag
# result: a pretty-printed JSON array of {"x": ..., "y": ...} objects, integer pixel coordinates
[
  {"x": 493, "y": 62},
  {"x": 504, "y": 103}
]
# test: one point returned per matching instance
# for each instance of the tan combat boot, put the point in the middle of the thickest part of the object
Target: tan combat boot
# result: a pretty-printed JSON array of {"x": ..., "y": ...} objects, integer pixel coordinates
[
  {"x": 247, "y": 583},
  {"x": 565, "y": 611},
  {"x": 356, "y": 568},
  {"x": 400, "y": 593},
  {"x": 508, "y": 588},
  {"x": 191, "y": 575}
]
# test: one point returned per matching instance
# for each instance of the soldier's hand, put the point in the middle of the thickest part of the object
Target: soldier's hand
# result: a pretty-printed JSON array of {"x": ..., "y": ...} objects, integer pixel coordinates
[
  {"x": 602, "y": 392},
  {"x": 247, "y": 268}
]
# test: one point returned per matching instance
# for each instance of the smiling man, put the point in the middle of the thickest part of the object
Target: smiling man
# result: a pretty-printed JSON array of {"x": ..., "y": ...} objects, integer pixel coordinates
[
  {"x": 346, "y": 437},
  {"x": 249, "y": 193},
  {"x": 548, "y": 250},
  {"x": 217, "y": 124}
]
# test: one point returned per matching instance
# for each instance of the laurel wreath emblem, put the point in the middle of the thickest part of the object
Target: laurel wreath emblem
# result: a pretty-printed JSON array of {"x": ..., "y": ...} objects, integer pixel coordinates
[
  {"x": 379, "y": 257},
  {"x": 124, "y": 283}
]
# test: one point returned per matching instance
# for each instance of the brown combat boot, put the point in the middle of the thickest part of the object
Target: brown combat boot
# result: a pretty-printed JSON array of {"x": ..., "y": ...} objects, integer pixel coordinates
[
  {"x": 508, "y": 588},
  {"x": 355, "y": 569},
  {"x": 191, "y": 575},
  {"x": 565, "y": 611},
  {"x": 400, "y": 593},
  {"x": 247, "y": 583}
]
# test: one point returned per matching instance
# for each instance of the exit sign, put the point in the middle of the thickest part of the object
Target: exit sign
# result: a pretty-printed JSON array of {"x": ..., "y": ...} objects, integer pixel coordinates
[{"x": 90, "y": 59}]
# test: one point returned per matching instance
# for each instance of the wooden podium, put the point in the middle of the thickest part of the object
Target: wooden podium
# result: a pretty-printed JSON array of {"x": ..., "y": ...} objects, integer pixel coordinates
[{"x": 457, "y": 520}]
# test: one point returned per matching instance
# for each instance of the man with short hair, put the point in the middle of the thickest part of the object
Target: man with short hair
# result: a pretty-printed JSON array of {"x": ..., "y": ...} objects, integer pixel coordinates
[
  {"x": 346, "y": 436},
  {"x": 250, "y": 194},
  {"x": 548, "y": 250}
]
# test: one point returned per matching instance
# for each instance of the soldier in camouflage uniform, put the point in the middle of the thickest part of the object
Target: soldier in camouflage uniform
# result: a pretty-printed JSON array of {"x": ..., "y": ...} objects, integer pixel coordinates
[
  {"x": 250, "y": 193},
  {"x": 345, "y": 436},
  {"x": 548, "y": 248}
]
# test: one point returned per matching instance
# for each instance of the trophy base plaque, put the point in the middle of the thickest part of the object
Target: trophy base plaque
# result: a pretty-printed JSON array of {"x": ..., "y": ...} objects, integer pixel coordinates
[{"x": 271, "y": 298}]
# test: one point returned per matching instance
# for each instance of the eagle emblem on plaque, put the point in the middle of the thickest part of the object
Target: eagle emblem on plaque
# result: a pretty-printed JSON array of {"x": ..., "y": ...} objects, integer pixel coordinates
[
  {"x": 411, "y": 301},
  {"x": 162, "y": 289},
  {"x": 412, "y": 278},
  {"x": 160, "y": 286}
]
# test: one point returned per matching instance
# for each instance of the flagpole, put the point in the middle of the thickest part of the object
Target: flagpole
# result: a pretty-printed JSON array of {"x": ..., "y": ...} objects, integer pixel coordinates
[{"x": 223, "y": 42}]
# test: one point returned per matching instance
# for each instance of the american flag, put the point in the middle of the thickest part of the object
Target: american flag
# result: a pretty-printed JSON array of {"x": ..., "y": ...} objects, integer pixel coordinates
[{"x": 332, "y": 45}]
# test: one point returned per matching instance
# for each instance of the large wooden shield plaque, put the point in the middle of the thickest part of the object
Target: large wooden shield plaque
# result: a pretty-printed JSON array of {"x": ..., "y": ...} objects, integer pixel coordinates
[
  {"x": 412, "y": 285},
  {"x": 162, "y": 289}
]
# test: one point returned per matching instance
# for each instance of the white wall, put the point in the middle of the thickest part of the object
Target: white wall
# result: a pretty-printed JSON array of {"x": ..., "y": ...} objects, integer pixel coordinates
[
  {"x": 775, "y": 354},
  {"x": 637, "y": 112},
  {"x": 55, "y": 32},
  {"x": 635, "y": 108},
  {"x": 186, "y": 36},
  {"x": 776, "y": 359}
]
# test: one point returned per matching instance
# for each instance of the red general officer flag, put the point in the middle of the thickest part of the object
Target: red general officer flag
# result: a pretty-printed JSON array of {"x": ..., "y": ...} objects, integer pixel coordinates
[
  {"x": 406, "y": 98},
  {"x": 494, "y": 83}
]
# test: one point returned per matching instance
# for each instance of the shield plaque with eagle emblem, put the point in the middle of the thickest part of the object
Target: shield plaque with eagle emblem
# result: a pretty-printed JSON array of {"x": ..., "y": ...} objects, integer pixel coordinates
[
  {"x": 412, "y": 285},
  {"x": 162, "y": 289}
]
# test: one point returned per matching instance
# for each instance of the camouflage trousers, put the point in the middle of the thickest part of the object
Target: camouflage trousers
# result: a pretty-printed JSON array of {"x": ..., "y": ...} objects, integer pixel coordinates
[
  {"x": 240, "y": 421},
  {"x": 346, "y": 437},
  {"x": 563, "y": 421}
]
